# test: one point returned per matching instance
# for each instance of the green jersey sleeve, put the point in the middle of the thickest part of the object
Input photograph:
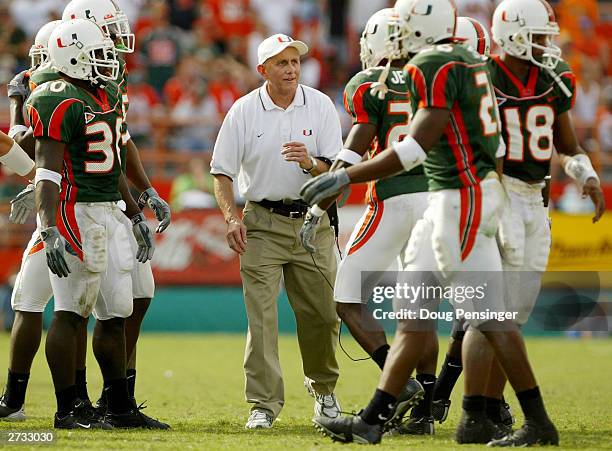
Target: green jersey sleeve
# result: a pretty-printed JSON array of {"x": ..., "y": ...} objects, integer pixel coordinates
[
  {"x": 55, "y": 117},
  {"x": 433, "y": 81},
  {"x": 363, "y": 107},
  {"x": 565, "y": 103}
]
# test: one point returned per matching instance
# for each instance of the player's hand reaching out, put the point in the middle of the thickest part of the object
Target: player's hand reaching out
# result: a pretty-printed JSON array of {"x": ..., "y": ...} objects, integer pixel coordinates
[
  {"x": 144, "y": 238},
  {"x": 592, "y": 189},
  {"x": 236, "y": 235},
  {"x": 18, "y": 86},
  {"x": 55, "y": 249},
  {"x": 22, "y": 205},
  {"x": 308, "y": 231},
  {"x": 158, "y": 205}
]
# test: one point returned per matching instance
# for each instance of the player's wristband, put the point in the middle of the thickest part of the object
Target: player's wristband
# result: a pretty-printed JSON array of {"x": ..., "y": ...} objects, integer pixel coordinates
[
  {"x": 17, "y": 129},
  {"x": 46, "y": 174},
  {"x": 349, "y": 156},
  {"x": 409, "y": 152},
  {"x": 579, "y": 168},
  {"x": 317, "y": 211},
  {"x": 17, "y": 160}
]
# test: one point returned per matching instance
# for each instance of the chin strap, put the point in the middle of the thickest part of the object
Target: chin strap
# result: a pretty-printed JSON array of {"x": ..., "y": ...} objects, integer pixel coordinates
[
  {"x": 380, "y": 88},
  {"x": 562, "y": 85}
]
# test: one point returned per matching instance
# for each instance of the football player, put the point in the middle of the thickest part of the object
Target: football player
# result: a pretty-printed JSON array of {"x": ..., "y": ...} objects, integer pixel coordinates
[
  {"x": 473, "y": 34},
  {"x": 84, "y": 238},
  {"x": 394, "y": 204},
  {"x": 456, "y": 136},
  {"x": 114, "y": 23},
  {"x": 535, "y": 89},
  {"x": 33, "y": 290}
]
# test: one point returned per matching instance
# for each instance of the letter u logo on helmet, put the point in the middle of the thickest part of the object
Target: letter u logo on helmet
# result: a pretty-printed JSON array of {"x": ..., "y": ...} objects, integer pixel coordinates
[
  {"x": 379, "y": 38},
  {"x": 516, "y": 23},
  {"x": 425, "y": 22},
  {"x": 79, "y": 49},
  {"x": 108, "y": 16}
]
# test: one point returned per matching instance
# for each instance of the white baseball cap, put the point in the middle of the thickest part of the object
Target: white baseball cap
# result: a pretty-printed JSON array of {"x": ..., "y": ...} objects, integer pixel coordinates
[{"x": 275, "y": 44}]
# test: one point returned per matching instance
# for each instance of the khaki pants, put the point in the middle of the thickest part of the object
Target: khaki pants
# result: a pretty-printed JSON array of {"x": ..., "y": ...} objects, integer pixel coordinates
[{"x": 274, "y": 249}]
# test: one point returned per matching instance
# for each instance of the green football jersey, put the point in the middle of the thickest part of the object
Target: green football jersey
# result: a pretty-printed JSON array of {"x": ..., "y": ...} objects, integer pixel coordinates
[
  {"x": 528, "y": 113},
  {"x": 91, "y": 127},
  {"x": 456, "y": 78},
  {"x": 47, "y": 72},
  {"x": 391, "y": 118}
]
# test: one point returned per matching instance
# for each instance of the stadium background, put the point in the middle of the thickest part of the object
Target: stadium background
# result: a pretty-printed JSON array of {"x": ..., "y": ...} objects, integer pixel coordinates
[{"x": 194, "y": 58}]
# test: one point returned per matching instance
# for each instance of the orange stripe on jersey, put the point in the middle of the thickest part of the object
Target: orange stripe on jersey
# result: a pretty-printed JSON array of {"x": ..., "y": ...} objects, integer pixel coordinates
[
  {"x": 457, "y": 116},
  {"x": 369, "y": 226},
  {"x": 471, "y": 209},
  {"x": 572, "y": 78},
  {"x": 36, "y": 248},
  {"x": 36, "y": 123},
  {"x": 57, "y": 117},
  {"x": 66, "y": 216},
  {"x": 419, "y": 82},
  {"x": 438, "y": 86},
  {"x": 360, "y": 113},
  {"x": 480, "y": 36},
  {"x": 525, "y": 91}
]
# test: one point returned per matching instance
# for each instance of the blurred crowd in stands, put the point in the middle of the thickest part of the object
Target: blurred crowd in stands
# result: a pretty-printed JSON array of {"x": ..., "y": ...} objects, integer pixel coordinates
[{"x": 194, "y": 58}]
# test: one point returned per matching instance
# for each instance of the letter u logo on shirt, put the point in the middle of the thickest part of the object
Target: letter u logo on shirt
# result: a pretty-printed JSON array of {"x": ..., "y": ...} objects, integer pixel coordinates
[{"x": 307, "y": 132}]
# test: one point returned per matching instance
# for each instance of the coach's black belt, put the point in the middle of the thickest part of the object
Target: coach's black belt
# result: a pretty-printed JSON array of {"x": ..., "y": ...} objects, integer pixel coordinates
[{"x": 291, "y": 209}]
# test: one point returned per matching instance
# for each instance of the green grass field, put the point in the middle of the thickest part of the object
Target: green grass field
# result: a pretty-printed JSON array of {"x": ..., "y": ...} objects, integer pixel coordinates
[{"x": 195, "y": 382}]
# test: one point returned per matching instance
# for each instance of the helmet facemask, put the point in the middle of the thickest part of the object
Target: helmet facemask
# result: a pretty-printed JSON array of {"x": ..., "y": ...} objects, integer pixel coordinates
[
  {"x": 522, "y": 44},
  {"x": 39, "y": 55},
  {"x": 369, "y": 55},
  {"x": 103, "y": 62},
  {"x": 118, "y": 29}
]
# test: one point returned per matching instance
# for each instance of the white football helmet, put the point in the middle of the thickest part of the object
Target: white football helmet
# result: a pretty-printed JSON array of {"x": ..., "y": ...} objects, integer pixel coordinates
[
  {"x": 80, "y": 49},
  {"x": 108, "y": 16},
  {"x": 425, "y": 22},
  {"x": 376, "y": 43},
  {"x": 39, "y": 54},
  {"x": 515, "y": 22},
  {"x": 474, "y": 34}
]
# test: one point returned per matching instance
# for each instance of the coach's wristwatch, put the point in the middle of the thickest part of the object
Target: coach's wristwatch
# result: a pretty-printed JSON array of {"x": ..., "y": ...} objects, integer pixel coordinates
[{"x": 313, "y": 160}]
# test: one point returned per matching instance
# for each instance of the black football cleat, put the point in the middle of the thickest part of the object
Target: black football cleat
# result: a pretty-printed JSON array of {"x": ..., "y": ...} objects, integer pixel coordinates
[
  {"x": 476, "y": 430},
  {"x": 74, "y": 420},
  {"x": 11, "y": 413},
  {"x": 416, "y": 426},
  {"x": 440, "y": 409},
  {"x": 507, "y": 418},
  {"x": 134, "y": 419},
  {"x": 410, "y": 396},
  {"x": 347, "y": 429},
  {"x": 532, "y": 433}
]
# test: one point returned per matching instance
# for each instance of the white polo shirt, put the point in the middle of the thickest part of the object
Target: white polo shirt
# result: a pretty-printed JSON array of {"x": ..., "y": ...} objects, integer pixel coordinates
[{"x": 254, "y": 130}]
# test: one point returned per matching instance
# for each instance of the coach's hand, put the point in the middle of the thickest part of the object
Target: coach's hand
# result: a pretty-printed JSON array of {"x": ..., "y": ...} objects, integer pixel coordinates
[
  {"x": 159, "y": 206},
  {"x": 22, "y": 205},
  {"x": 55, "y": 247},
  {"x": 592, "y": 188},
  {"x": 308, "y": 232},
  {"x": 18, "y": 86},
  {"x": 296, "y": 151},
  {"x": 236, "y": 235},
  {"x": 324, "y": 186},
  {"x": 144, "y": 238}
]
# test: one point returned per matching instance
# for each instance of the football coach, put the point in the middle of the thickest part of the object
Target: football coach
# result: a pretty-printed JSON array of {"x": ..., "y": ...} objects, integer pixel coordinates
[{"x": 272, "y": 140}]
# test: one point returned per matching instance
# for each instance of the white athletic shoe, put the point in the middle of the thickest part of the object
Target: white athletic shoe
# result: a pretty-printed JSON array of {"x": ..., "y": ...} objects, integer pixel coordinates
[
  {"x": 259, "y": 419},
  {"x": 325, "y": 405},
  {"x": 11, "y": 414}
]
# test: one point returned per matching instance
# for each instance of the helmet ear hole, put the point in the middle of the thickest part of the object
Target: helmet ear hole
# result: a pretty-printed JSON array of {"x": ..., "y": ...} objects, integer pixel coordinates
[
  {"x": 73, "y": 61},
  {"x": 417, "y": 34}
]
